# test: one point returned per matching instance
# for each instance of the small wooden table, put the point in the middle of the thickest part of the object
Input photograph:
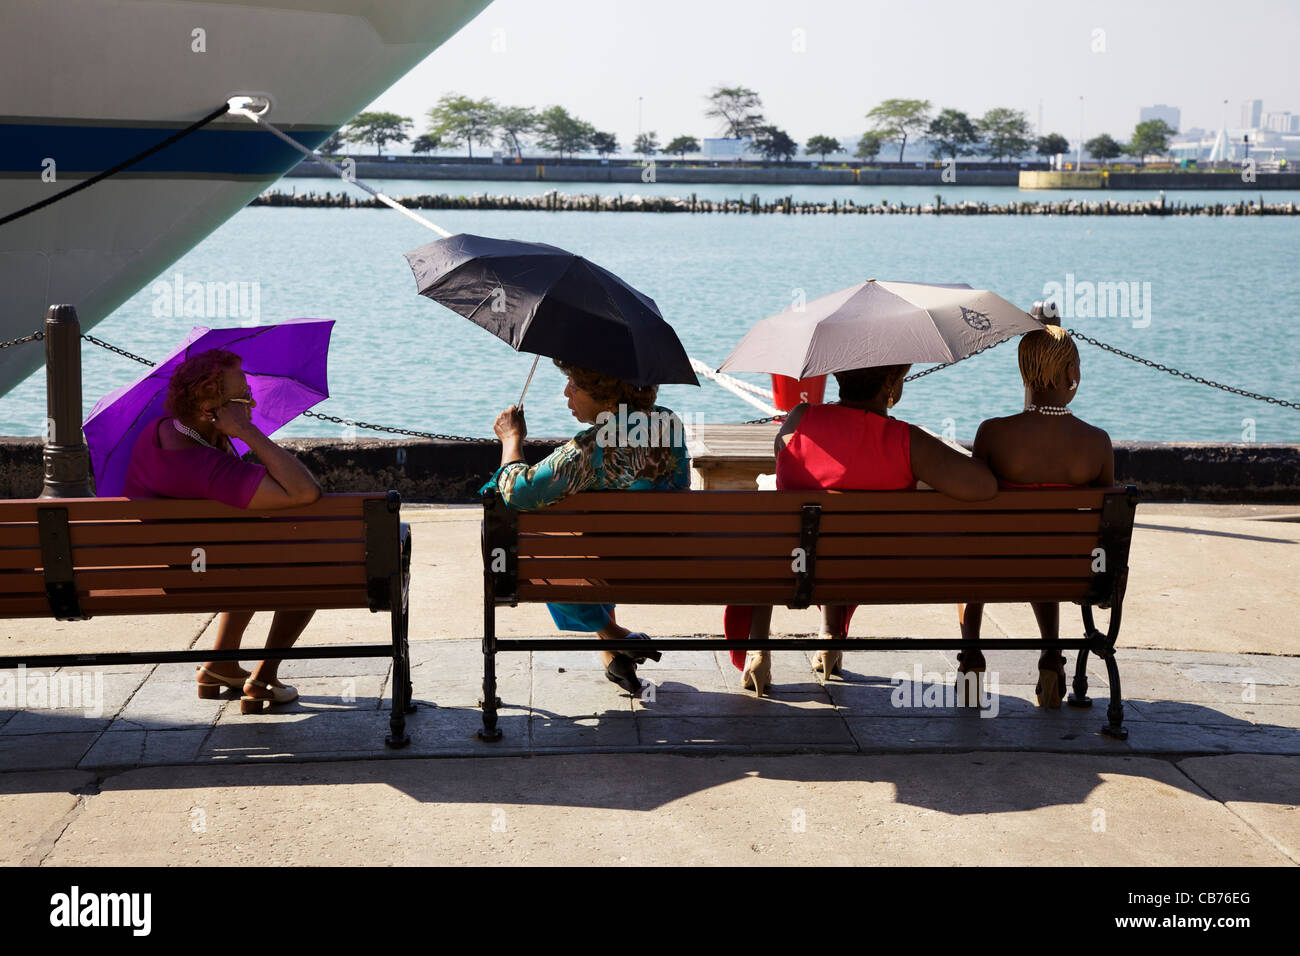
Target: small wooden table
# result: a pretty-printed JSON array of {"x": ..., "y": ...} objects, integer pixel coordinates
[{"x": 730, "y": 457}]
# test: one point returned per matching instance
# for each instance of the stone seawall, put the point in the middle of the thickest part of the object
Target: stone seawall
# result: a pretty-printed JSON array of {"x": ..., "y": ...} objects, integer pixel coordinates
[
  {"x": 453, "y": 471},
  {"x": 530, "y": 172},
  {"x": 1047, "y": 179},
  {"x": 932, "y": 174}
]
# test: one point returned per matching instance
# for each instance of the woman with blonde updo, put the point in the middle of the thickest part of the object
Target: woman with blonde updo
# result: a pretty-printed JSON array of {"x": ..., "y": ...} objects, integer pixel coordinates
[{"x": 1045, "y": 446}]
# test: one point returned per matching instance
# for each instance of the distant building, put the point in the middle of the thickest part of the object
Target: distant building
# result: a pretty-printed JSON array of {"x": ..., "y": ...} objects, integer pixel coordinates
[
  {"x": 1170, "y": 114},
  {"x": 1250, "y": 111},
  {"x": 1280, "y": 121}
]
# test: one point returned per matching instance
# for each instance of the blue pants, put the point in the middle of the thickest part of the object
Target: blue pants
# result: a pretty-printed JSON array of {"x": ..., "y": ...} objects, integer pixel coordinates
[{"x": 580, "y": 617}]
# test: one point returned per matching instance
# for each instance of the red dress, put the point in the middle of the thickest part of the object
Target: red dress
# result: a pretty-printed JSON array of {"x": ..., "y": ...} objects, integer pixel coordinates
[{"x": 835, "y": 447}]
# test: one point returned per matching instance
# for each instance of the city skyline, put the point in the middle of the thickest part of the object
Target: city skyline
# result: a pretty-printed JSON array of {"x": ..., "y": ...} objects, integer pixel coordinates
[{"x": 820, "y": 67}]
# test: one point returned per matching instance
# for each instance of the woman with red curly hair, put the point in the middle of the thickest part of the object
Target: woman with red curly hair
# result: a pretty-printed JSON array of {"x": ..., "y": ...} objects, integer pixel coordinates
[
  {"x": 632, "y": 445},
  {"x": 189, "y": 454}
]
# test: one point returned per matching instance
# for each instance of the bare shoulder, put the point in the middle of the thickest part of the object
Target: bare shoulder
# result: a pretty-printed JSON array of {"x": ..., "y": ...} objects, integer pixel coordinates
[{"x": 1098, "y": 436}]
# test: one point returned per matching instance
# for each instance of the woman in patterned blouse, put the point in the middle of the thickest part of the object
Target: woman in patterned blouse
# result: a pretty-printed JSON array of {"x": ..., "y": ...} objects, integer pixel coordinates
[{"x": 632, "y": 445}]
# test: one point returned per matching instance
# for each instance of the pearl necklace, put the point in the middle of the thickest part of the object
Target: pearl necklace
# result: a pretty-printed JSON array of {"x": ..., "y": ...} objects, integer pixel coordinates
[
  {"x": 186, "y": 430},
  {"x": 1048, "y": 409}
]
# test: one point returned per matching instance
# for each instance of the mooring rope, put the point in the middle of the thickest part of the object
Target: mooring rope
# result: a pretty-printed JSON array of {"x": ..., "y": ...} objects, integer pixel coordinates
[
  {"x": 733, "y": 385},
  {"x": 86, "y": 184},
  {"x": 342, "y": 174}
]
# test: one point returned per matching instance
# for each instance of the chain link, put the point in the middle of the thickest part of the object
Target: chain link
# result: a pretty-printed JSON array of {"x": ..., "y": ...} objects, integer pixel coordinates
[
  {"x": 1187, "y": 375},
  {"x": 910, "y": 378},
  {"x": 34, "y": 337},
  {"x": 396, "y": 431},
  {"x": 310, "y": 414},
  {"x": 113, "y": 348},
  {"x": 439, "y": 436}
]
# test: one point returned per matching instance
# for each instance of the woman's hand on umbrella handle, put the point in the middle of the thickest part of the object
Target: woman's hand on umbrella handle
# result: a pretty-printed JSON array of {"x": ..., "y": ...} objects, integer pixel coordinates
[{"x": 510, "y": 424}]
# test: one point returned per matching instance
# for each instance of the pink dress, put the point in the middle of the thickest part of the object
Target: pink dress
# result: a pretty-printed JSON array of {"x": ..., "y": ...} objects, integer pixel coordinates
[{"x": 158, "y": 472}]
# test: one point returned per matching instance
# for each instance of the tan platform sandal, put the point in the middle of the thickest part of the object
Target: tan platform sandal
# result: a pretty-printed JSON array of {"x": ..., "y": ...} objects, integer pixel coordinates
[
  {"x": 828, "y": 662},
  {"x": 757, "y": 675},
  {"x": 211, "y": 690},
  {"x": 255, "y": 705},
  {"x": 1051, "y": 682}
]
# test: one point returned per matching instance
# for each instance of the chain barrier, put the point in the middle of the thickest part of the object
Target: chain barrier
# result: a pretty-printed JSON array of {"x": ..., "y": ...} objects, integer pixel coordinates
[
  {"x": 1187, "y": 375},
  {"x": 910, "y": 378},
  {"x": 397, "y": 431},
  {"x": 439, "y": 436},
  {"x": 34, "y": 337},
  {"x": 120, "y": 351}
]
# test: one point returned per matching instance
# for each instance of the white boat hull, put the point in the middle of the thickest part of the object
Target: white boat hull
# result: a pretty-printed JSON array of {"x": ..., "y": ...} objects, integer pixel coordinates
[{"x": 85, "y": 84}]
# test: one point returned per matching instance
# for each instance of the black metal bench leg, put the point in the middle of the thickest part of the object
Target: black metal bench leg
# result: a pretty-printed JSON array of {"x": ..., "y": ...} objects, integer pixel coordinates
[
  {"x": 1079, "y": 697},
  {"x": 397, "y": 736},
  {"x": 406, "y": 626},
  {"x": 1114, "y": 726},
  {"x": 490, "y": 702}
]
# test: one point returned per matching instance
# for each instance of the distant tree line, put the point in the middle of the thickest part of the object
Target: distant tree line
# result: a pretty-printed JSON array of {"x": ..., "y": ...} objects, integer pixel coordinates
[{"x": 1001, "y": 133}]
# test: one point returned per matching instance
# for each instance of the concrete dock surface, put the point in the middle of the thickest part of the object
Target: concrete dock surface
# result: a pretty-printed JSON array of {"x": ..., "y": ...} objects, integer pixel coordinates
[{"x": 873, "y": 768}]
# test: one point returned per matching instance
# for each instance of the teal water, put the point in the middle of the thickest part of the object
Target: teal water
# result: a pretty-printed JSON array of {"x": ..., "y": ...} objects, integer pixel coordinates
[{"x": 1223, "y": 296}]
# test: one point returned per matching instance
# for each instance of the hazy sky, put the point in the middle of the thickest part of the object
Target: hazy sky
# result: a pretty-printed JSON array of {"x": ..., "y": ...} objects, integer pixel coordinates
[{"x": 596, "y": 57}]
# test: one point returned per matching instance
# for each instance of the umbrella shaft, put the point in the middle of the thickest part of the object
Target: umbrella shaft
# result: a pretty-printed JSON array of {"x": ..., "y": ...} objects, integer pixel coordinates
[{"x": 536, "y": 359}]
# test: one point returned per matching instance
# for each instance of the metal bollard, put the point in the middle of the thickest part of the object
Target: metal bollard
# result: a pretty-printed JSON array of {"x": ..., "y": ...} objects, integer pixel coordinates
[{"x": 67, "y": 461}]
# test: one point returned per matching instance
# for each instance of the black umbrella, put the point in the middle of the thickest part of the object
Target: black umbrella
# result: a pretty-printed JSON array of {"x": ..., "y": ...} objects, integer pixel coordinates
[{"x": 544, "y": 300}]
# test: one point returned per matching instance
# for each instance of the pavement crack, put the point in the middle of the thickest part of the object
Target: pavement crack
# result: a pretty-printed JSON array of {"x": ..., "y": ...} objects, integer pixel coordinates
[
  {"x": 45, "y": 845},
  {"x": 1177, "y": 765}
]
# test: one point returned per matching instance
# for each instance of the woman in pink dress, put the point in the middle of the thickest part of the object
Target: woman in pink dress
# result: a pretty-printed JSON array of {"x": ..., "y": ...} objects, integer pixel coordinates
[
  {"x": 854, "y": 445},
  {"x": 189, "y": 454}
]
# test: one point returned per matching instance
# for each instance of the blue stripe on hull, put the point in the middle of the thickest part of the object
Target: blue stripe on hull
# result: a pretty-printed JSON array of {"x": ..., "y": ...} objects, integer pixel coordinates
[{"x": 92, "y": 149}]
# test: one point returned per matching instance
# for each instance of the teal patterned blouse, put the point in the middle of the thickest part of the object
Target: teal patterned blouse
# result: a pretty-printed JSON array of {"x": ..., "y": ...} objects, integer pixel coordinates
[{"x": 640, "y": 451}]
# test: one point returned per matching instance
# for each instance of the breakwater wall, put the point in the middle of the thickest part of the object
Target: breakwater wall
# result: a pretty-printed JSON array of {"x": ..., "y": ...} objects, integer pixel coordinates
[
  {"x": 669, "y": 170},
  {"x": 1105, "y": 179},
  {"x": 932, "y": 175},
  {"x": 561, "y": 202},
  {"x": 445, "y": 471}
]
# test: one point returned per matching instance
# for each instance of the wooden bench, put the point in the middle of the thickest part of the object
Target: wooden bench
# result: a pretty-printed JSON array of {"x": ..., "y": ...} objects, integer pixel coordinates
[
  {"x": 796, "y": 548},
  {"x": 77, "y": 558}
]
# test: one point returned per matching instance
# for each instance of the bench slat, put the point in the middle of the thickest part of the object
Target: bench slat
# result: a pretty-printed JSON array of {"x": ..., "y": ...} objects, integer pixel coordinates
[
  {"x": 635, "y": 570},
  {"x": 781, "y": 501},
  {"x": 1051, "y": 522},
  {"x": 86, "y": 534},
  {"x": 156, "y": 601},
  {"x": 215, "y": 555},
  {"x": 843, "y": 592},
  {"x": 268, "y": 577},
  {"x": 105, "y": 509},
  {"x": 594, "y": 545},
  {"x": 273, "y": 576}
]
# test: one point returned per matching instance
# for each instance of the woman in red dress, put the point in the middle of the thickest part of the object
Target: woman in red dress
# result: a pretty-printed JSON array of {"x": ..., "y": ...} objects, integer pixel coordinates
[{"x": 854, "y": 445}]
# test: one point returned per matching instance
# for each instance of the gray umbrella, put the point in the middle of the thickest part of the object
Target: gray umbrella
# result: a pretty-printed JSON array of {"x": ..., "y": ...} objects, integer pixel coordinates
[{"x": 878, "y": 323}]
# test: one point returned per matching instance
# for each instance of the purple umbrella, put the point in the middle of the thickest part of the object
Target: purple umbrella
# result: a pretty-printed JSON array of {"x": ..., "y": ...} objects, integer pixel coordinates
[{"x": 285, "y": 365}]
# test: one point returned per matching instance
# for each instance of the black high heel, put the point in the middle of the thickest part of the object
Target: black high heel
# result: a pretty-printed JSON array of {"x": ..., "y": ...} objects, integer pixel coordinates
[
  {"x": 622, "y": 671},
  {"x": 639, "y": 656}
]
